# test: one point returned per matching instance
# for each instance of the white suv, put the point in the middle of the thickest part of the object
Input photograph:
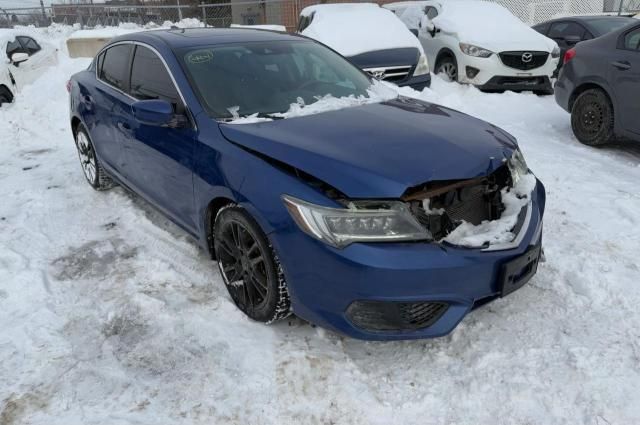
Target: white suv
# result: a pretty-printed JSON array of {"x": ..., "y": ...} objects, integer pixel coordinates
[
  {"x": 481, "y": 43},
  {"x": 25, "y": 59}
]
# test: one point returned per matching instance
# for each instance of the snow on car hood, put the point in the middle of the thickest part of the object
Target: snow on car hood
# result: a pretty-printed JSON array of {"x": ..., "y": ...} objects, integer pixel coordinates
[
  {"x": 490, "y": 26},
  {"x": 380, "y": 150},
  {"x": 352, "y": 29}
]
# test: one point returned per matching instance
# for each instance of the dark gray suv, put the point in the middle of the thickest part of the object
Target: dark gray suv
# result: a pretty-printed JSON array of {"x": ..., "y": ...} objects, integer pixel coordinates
[{"x": 600, "y": 85}]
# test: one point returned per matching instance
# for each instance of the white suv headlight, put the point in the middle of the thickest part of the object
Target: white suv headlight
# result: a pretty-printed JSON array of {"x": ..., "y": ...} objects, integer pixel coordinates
[
  {"x": 361, "y": 221},
  {"x": 475, "y": 51},
  {"x": 422, "y": 67}
]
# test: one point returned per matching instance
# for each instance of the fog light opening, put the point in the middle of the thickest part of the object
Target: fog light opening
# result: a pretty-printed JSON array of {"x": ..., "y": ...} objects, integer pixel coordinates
[{"x": 472, "y": 72}]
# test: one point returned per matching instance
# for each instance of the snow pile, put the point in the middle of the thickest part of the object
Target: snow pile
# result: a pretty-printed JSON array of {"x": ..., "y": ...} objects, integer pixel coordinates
[
  {"x": 129, "y": 27},
  {"x": 496, "y": 231},
  {"x": 280, "y": 28},
  {"x": 352, "y": 29},
  {"x": 377, "y": 93},
  {"x": 488, "y": 25}
]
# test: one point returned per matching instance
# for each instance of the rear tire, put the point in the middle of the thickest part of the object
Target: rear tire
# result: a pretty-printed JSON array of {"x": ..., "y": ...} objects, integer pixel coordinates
[
  {"x": 249, "y": 266},
  {"x": 592, "y": 118},
  {"x": 91, "y": 166},
  {"x": 5, "y": 96},
  {"x": 448, "y": 67}
]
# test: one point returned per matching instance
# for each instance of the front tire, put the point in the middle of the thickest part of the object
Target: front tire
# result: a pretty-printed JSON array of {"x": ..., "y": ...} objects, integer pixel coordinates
[
  {"x": 592, "y": 118},
  {"x": 448, "y": 67},
  {"x": 5, "y": 95},
  {"x": 249, "y": 266},
  {"x": 91, "y": 166}
]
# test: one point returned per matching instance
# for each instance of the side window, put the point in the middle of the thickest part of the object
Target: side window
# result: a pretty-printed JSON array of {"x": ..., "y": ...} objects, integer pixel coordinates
[
  {"x": 99, "y": 61},
  {"x": 431, "y": 12},
  {"x": 632, "y": 40},
  {"x": 542, "y": 28},
  {"x": 13, "y": 47},
  {"x": 560, "y": 30},
  {"x": 150, "y": 78},
  {"x": 29, "y": 45},
  {"x": 115, "y": 66}
]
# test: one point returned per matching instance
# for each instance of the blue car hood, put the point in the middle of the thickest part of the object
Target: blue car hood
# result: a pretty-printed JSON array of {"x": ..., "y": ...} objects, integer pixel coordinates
[{"x": 380, "y": 150}]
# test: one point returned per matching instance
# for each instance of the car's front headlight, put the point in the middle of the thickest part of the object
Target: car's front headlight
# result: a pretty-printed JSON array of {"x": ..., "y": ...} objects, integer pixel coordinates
[
  {"x": 555, "y": 54},
  {"x": 360, "y": 221},
  {"x": 517, "y": 166},
  {"x": 422, "y": 67},
  {"x": 475, "y": 51}
]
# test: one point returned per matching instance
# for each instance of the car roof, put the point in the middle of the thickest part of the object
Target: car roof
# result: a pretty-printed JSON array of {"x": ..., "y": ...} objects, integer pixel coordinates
[
  {"x": 177, "y": 38},
  {"x": 583, "y": 18}
]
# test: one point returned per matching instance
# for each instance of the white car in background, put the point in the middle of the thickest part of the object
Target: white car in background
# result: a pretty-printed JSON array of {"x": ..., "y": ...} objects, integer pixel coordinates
[
  {"x": 24, "y": 59},
  {"x": 481, "y": 43},
  {"x": 372, "y": 38}
]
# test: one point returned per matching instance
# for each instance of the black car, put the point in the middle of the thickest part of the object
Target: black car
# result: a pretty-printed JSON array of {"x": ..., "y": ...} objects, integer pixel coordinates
[
  {"x": 600, "y": 85},
  {"x": 568, "y": 32}
]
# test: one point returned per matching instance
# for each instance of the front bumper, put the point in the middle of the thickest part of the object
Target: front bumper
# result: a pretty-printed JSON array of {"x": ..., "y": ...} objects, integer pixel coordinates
[
  {"x": 492, "y": 73},
  {"x": 417, "y": 83},
  {"x": 325, "y": 282},
  {"x": 501, "y": 83}
]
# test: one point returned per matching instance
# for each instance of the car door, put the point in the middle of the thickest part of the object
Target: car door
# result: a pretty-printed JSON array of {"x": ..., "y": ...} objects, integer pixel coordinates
[
  {"x": 40, "y": 58},
  {"x": 159, "y": 160},
  {"x": 110, "y": 105},
  {"x": 625, "y": 77},
  {"x": 431, "y": 40}
]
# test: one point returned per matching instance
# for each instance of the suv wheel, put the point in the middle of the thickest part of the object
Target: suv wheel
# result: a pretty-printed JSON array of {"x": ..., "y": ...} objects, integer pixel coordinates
[
  {"x": 249, "y": 266},
  {"x": 448, "y": 67},
  {"x": 592, "y": 118},
  {"x": 93, "y": 171}
]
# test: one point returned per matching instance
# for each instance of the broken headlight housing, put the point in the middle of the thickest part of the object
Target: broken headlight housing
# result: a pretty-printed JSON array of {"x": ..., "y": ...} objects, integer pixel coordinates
[
  {"x": 517, "y": 166},
  {"x": 360, "y": 221}
]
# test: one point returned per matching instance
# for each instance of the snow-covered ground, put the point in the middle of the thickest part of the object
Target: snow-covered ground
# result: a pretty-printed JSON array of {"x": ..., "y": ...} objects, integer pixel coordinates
[{"x": 110, "y": 315}]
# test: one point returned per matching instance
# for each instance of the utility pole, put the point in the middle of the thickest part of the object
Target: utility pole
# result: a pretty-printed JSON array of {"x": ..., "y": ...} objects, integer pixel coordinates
[
  {"x": 44, "y": 15},
  {"x": 179, "y": 11},
  {"x": 620, "y": 8}
]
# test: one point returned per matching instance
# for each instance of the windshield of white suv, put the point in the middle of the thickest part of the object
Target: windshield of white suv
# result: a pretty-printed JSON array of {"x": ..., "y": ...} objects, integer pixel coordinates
[{"x": 265, "y": 78}]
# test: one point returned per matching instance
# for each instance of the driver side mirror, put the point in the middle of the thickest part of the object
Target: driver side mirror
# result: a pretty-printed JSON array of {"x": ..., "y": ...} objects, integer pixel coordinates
[
  {"x": 158, "y": 113},
  {"x": 18, "y": 58},
  {"x": 414, "y": 31},
  {"x": 572, "y": 40}
]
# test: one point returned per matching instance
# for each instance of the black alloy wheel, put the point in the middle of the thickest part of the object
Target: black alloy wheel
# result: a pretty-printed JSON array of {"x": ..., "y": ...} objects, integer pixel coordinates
[
  {"x": 249, "y": 267},
  {"x": 592, "y": 118},
  {"x": 91, "y": 166}
]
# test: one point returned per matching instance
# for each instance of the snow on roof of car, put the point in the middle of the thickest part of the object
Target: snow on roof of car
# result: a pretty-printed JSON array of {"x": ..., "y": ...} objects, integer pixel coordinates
[
  {"x": 280, "y": 28},
  {"x": 355, "y": 28},
  {"x": 487, "y": 24}
]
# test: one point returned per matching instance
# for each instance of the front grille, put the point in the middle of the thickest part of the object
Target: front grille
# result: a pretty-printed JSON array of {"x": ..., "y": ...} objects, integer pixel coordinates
[
  {"x": 524, "y": 60},
  {"x": 395, "y": 316},
  {"x": 390, "y": 73}
]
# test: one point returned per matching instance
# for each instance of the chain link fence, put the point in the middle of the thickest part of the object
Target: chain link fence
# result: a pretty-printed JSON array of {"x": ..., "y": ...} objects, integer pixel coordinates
[{"x": 254, "y": 12}]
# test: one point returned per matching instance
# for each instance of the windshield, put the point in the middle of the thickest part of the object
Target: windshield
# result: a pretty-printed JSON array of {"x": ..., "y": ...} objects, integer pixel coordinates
[
  {"x": 264, "y": 78},
  {"x": 605, "y": 26}
]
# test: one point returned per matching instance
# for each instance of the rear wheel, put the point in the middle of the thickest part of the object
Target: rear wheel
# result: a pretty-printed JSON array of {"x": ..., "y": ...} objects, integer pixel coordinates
[
  {"x": 5, "y": 95},
  {"x": 91, "y": 166},
  {"x": 448, "y": 67},
  {"x": 592, "y": 118},
  {"x": 249, "y": 266}
]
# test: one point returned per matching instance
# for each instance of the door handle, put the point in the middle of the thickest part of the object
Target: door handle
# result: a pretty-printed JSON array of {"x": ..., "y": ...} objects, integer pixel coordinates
[
  {"x": 622, "y": 65},
  {"x": 124, "y": 126}
]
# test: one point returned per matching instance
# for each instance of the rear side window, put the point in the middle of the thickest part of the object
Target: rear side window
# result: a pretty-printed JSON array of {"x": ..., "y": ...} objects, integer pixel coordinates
[
  {"x": 150, "y": 78},
  {"x": 542, "y": 28},
  {"x": 115, "y": 66},
  {"x": 632, "y": 40},
  {"x": 560, "y": 30}
]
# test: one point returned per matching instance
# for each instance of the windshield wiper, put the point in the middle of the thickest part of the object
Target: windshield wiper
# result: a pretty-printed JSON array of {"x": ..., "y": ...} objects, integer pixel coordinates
[{"x": 265, "y": 115}]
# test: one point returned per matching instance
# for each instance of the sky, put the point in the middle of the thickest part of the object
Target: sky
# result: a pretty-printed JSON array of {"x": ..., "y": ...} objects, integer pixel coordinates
[{"x": 22, "y": 3}]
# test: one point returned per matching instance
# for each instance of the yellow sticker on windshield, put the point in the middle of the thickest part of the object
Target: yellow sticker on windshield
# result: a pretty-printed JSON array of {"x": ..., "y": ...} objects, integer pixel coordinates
[{"x": 200, "y": 56}]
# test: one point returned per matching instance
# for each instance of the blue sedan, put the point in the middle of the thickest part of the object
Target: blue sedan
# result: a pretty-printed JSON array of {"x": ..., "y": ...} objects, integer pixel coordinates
[{"x": 352, "y": 217}]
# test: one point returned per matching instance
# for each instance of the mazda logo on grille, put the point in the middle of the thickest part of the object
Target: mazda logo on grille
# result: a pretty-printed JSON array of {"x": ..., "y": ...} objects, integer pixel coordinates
[{"x": 527, "y": 57}]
